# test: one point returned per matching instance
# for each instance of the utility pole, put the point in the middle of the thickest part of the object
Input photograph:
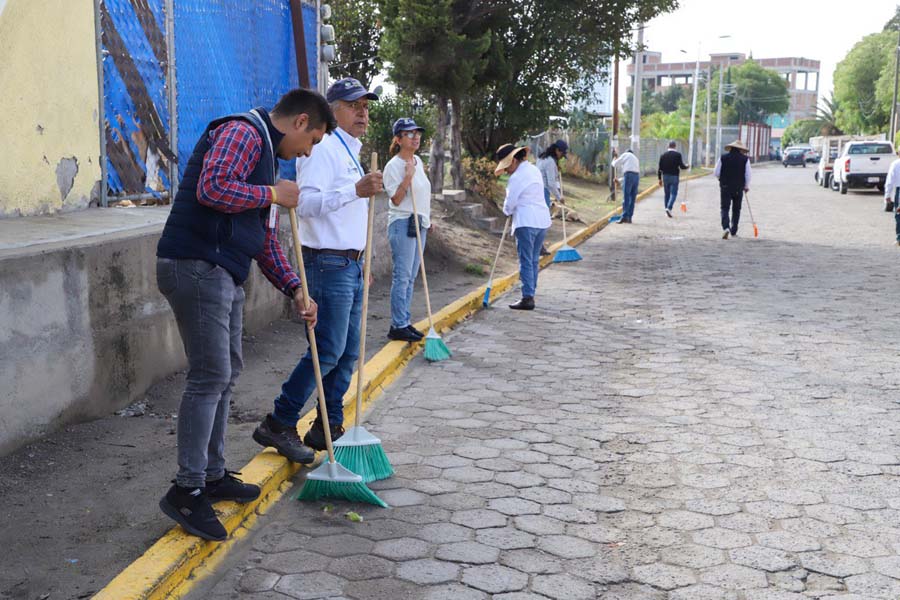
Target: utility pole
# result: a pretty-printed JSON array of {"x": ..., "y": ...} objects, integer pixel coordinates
[
  {"x": 708, "y": 111},
  {"x": 719, "y": 113},
  {"x": 614, "y": 135},
  {"x": 693, "y": 112},
  {"x": 638, "y": 85},
  {"x": 893, "y": 131}
]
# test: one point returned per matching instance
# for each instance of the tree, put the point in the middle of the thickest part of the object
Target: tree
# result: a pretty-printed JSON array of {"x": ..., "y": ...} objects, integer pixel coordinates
[
  {"x": 759, "y": 92},
  {"x": 861, "y": 84},
  {"x": 826, "y": 115},
  {"x": 357, "y": 31},
  {"x": 800, "y": 131},
  {"x": 666, "y": 126},
  {"x": 382, "y": 115}
]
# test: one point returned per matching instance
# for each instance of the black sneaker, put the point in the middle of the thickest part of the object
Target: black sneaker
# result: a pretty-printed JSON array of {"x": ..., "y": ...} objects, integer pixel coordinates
[
  {"x": 284, "y": 439},
  {"x": 190, "y": 508},
  {"x": 230, "y": 487},
  {"x": 315, "y": 437},
  {"x": 402, "y": 334},
  {"x": 526, "y": 303},
  {"x": 544, "y": 251},
  {"x": 415, "y": 331}
]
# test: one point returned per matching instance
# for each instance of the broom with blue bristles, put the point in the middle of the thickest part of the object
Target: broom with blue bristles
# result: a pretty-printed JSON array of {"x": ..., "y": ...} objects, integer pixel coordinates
[
  {"x": 330, "y": 479},
  {"x": 435, "y": 348},
  {"x": 358, "y": 449},
  {"x": 487, "y": 291},
  {"x": 567, "y": 253}
]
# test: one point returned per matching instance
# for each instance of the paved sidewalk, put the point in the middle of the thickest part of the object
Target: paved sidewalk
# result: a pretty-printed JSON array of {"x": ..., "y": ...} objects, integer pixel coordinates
[{"x": 682, "y": 418}]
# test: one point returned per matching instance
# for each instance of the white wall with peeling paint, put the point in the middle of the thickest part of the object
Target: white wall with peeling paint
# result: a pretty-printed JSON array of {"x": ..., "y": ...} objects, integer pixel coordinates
[{"x": 48, "y": 106}]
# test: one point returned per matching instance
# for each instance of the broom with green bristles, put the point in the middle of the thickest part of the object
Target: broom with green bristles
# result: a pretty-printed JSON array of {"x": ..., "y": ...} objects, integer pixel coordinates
[
  {"x": 435, "y": 348},
  {"x": 358, "y": 449},
  {"x": 330, "y": 479}
]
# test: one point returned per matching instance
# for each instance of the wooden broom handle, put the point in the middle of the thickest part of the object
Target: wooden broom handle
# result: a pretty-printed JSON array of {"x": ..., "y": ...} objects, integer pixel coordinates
[
  {"x": 499, "y": 248},
  {"x": 311, "y": 333},
  {"x": 412, "y": 195},
  {"x": 367, "y": 272},
  {"x": 563, "y": 206}
]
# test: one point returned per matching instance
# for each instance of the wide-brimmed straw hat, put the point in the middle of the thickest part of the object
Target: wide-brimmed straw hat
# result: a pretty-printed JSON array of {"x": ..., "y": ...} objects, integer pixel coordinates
[
  {"x": 739, "y": 145},
  {"x": 505, "y": 155}
]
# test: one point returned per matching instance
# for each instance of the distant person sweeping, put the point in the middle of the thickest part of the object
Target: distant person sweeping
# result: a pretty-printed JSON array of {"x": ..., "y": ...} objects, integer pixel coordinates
[
  {"x": 530, "y": 216},
  {"x": 403, "y": 173},
  {"x": 733, "y": 173},
  {"x": 222, "y": 219},
  {"x": 548, "y": 164},
  {"x": 892, "y": 194},
  {"x": 669, "y": 172},
  {"x": 631, "y": 177}
]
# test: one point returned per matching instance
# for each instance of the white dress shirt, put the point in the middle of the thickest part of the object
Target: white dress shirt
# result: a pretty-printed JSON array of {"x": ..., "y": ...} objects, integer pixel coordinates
[
  {"x": 525, "y": 198},
  {"x": 394, "y": 173},
  {"x": 550, "y": 172},
  {"x": 629, "y": 163},
  {"x": 893, "y": 180},
  {"x": 331, "y": 214},
  {"x": 718, "y": 172}
]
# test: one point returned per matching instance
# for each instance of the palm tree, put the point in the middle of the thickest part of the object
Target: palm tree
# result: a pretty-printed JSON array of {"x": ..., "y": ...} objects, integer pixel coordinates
[{"x": 826, "y": 115}]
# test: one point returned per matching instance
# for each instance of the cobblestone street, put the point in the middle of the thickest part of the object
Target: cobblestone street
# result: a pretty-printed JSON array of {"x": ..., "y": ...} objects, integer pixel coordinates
[{"x": 682, "y": 418}]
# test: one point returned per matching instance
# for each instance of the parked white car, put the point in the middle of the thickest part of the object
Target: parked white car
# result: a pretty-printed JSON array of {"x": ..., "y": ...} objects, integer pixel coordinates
[{"x": 862, "y": 165}]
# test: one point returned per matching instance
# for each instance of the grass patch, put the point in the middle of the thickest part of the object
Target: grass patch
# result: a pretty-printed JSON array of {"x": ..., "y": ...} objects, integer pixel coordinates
[{"x": 475, "y": 269}]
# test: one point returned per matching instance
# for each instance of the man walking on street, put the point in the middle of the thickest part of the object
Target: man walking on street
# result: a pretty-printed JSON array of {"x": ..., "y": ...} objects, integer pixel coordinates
[
  {"x": 669, "y": 171},
  {"x": 733, "y": 173},
  {"x": 892, "y": 194},
  {"x": 218, "y": 225},
  {"x": 631, "y": 175},
  {"x": 333, "y": 209}
]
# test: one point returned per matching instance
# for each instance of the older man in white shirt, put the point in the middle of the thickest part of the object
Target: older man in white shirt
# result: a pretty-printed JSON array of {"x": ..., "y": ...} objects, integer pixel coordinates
[
  {"x": 631, "y": 175},
  {"x": 333, "y": 209}
]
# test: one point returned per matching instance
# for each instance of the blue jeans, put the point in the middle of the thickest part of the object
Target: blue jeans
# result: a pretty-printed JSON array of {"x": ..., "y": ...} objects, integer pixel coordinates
[
  {"x": 406, "y": 267},
  {"x": 629, "y": 193},
  {"x": 670, "y": 186},
  {"x": 336, "y": 284},
  {"x": 528, "y": 244},
  {"x": 208, "y": 309}
]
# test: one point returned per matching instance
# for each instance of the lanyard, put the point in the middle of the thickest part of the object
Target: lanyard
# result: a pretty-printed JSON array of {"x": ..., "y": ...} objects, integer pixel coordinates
[
  {"x": 347, "y": 148},
  {"x": 273, "y": 211}
]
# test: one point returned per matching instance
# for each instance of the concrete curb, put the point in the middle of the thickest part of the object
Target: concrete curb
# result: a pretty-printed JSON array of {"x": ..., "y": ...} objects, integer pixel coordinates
[{"x": 170, "y": 568}]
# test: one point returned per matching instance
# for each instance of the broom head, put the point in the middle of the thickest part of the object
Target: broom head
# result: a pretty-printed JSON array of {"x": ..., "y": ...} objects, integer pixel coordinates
[
  {"x": 362, "y": 453},
  {"x": 683, "y": 207},
  {"x": 435, "y": 348},
  {"x": 486, "y": 301},
  {"x": 566, "y": 254},
  {"x": 332, "y": 480},
  {"x": 755, "y": 231}
]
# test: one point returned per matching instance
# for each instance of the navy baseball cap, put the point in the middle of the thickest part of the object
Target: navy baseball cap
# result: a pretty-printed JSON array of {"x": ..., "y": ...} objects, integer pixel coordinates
[
  {"x": 406, "y": 124},
  {"x": 348, "y": 89},
  {"x": 562, "y": 145}
]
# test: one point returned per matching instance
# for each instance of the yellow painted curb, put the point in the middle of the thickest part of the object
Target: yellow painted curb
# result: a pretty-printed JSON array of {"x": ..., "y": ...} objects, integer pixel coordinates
[{"x": 170, "y": 568}]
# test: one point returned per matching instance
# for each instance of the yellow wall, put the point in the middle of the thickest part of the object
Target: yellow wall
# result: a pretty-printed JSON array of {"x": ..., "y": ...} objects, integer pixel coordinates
[{"x": 48, "y": 105}]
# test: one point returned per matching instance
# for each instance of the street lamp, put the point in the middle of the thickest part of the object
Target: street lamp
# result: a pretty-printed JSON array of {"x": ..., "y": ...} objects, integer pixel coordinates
[{"x": 694, "y": 103}]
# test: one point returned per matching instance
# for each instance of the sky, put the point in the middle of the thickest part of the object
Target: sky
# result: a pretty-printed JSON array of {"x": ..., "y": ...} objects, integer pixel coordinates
[{"x": 823, "y": 31}]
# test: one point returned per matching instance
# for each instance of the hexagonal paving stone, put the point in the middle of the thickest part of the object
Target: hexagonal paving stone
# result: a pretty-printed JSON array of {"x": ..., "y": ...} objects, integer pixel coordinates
[
  {"x": 858, "y": 545},
  {"x": 340, "y": 545},
  {"x": 684, "y": 520},
  {"x": 477, "y": 452},
  {"x": 383, "y": 589},
  {"x": 604, "y": 504},
  {"x": 401, "y": 497},
  {"x": 454, "y": 591},
  {"x": 772, "y": 510},
  {"x": 295, "y": 561},
  {"x": 788, "y": 541},
  {"x": 479, "y": 518},
  {"x": 420, "y": 515},
  {"x": 832, "y": 513},
  {"x": 539, "y": 525},
  {"x": 793, "y": 496},
  {"x": 714, "y": 508},
  {"x": 545, "y": 495},
  {"x": 664, "y": 576},
  {"x": 427, "y": 571},
  {"x": 258, "y": 580},
  {"x": 857, "y": 501},
  {"x": 468, "y": 474},
  {"x": 402, "y": 549},
  {"x": 514, "y": 506},
  {"x": 724, "y": 539},
  {"x": 693, "y": 556},
  {"x": 444, "y": 533},
  {"x": 505, "y": 538},
  {"x": 384, "y": 529},
  {"x": 745, "y": 522},
  {"x": 565, "y": 546},
  {"x": 873, "y": 585},
  {"x": 835, "y": 565},
  {"x": 702, "y": 592},
  {"x": 457, "y": 501},
  {"x": 494, "y": 579},
  {"x": 563, "y": 587},
  {"x": 281, "y": 540},
  {"x": 520, "y": 479},
  {"x": 467, "y": 552},
  {"x": 530, "y": 561},
  {"x": 491, "y": 490},
  {"x": 734, "y": 577},
  {"x": 569, "y": 513},
  {"x": 633, "y": 591},
  {"x": 359, "y": 567},
  {"x": 760, "y": 557},
  {"x": 310, "y": 586}
]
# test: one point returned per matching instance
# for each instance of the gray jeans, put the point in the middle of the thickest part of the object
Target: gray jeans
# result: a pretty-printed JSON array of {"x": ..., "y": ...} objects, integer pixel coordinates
[{"x": 208, "y": 308}]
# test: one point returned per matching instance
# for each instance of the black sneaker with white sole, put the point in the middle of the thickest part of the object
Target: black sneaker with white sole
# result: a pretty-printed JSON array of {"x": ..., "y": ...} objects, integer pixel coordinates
[
  {"x": 231, "y": 488},
  {"x": 315, "y": 437},
  {"x": 191, "y": 508},
  {"x": 284, "y": 439}
]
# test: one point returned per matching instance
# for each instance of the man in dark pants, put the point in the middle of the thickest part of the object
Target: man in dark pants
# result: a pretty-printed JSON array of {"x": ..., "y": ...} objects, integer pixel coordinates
[
  {"x": 670, "y": 163},
  {"x": 733, "y": 173},
  {"x": 221, "y": 220}
]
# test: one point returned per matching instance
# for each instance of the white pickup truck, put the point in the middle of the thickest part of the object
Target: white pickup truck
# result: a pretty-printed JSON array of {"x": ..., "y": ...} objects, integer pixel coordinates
[{"x": 862, "y": 165}]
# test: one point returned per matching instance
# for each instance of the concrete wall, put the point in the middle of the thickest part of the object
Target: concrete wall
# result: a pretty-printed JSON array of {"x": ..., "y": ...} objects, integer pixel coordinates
[
  {"x": 84, "y": 331},
  {"x": 48, "y": 106}
]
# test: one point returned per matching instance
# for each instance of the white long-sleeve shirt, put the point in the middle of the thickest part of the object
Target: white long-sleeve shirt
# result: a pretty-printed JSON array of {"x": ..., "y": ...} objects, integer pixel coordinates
[
  {"x": 893, "y": 180},
  {"x": 747, "y": 172},
  {"x": 394, "y": 173},
  {"x": 331, "y": 214},
  {"x": 629, "y": 163},
  {"x": 525, "y": 198},
  {"x": 550, "y": 173}
]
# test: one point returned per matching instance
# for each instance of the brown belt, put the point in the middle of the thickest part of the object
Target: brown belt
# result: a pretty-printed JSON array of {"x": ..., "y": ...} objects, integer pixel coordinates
[{"x": 351, "y": 254}]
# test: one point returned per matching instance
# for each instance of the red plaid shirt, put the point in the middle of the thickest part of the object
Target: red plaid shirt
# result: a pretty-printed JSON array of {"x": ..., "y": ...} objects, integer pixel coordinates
[{"x": 235, "y": 149}]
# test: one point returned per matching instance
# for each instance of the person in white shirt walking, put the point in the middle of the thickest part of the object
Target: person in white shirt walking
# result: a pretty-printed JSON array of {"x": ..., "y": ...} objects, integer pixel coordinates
[
  {"x": 631, "y": 175},
  {"x": 530, "y": 216},
  {"x": 892, "y": 194},
  {"x": 333, "y": 212},
  {"x": 403, "y": 176}
]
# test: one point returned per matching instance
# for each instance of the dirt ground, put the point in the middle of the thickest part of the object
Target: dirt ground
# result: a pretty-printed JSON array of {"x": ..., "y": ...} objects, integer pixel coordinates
[{"x": 80, "y": 505}]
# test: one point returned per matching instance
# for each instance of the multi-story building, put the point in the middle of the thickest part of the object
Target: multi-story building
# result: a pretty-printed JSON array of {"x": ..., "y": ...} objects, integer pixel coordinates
[{"x": 801, "y": 74}]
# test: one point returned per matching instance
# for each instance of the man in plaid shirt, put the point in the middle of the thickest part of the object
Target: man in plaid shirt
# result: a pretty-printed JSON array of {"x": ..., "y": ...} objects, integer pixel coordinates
[{"x": 221, "y": 220}]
